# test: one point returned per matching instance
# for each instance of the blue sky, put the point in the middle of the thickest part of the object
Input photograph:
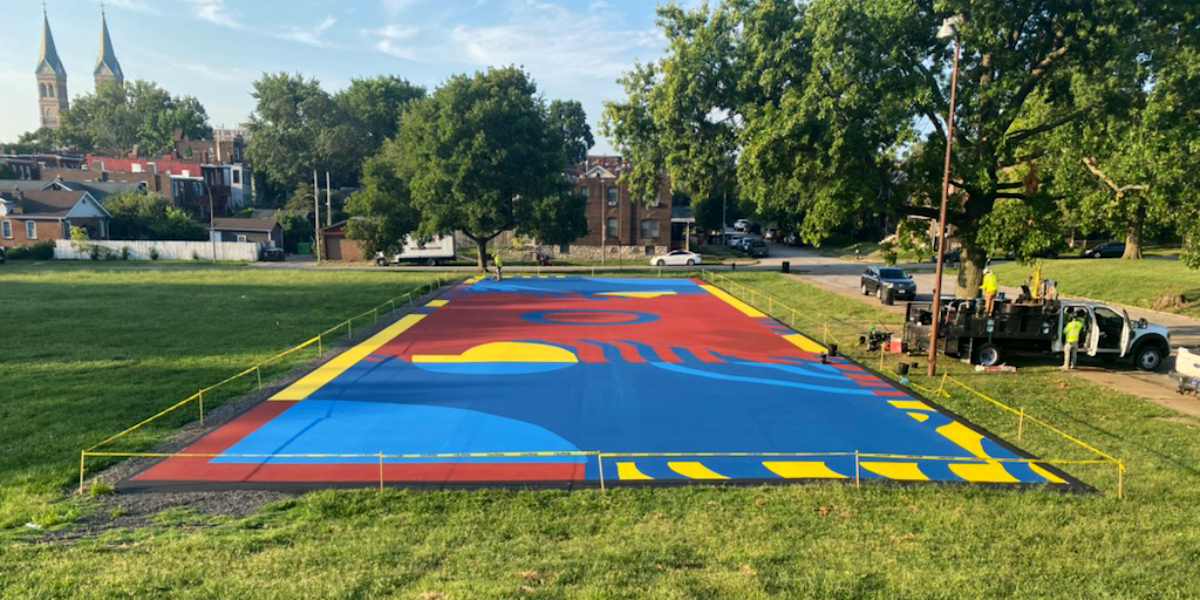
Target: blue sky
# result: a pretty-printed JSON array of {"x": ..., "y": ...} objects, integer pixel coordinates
[{"x": 215, "y": 49}]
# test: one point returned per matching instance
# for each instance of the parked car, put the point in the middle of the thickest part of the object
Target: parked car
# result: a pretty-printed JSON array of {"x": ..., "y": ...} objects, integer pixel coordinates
[
  {"x": 675, "y": 258},
  {"x": 792, "y": 239},
  {"x": 744, "y": 244},
  {"x": 742, "y": 225},
  {"x": 950, "y": 257},
  {"x": 757, "y": 249},
  {"x": 2, "y": 252},
  {"x": 1106, "y": 250},
  {"x": 272, "y": 254},
  {"x": 877, "y": 279}
]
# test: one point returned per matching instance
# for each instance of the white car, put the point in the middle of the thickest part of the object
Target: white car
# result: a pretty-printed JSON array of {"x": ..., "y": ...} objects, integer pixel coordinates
[
  {"x": 676, "y": 257},
  {"x": 741, "y": 224}
]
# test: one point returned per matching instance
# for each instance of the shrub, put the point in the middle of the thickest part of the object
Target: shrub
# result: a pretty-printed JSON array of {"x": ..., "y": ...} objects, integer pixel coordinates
[
  {"x": 42, "y": 251},
  {"x": 20, "y": 253},
  {"x": 153, "y": 253},
  {"x": 195, "y": 255},
  {"x": 124, "y": 252}
]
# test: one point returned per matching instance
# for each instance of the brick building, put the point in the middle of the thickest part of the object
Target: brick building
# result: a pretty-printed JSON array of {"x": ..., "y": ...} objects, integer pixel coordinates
[
  {"x": 618, "y": 224},
  {"x": 28, "y": 218}
]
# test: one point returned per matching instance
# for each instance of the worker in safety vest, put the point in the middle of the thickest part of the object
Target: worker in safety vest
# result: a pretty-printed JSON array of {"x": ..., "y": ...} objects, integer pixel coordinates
[
  {"x": 990, "y": 287},
  {"x": 499, "y": 266},
  {"x": 1071, "y": 349}
]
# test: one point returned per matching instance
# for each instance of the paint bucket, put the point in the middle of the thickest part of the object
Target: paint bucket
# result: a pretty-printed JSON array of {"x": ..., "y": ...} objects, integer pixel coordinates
[{"x": 902, "y": 369}]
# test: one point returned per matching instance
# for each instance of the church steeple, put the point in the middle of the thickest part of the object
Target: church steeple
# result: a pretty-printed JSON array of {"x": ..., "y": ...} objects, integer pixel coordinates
[
  {"x": 107, "y": 67},
  {"x": 51, "y": 78}
]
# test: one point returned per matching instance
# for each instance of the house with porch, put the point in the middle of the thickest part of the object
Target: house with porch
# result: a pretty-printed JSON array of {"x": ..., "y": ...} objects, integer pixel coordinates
[{"x": 28, "y": 218}]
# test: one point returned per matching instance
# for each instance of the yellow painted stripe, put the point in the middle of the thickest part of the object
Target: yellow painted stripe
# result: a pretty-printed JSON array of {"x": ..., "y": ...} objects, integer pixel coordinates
[
  {"x": 910, "y": 404},
  {"x": 992, "y": 472},
  {"x": 628, "y": 470},
  {"x": 328, "y": 371},
  {"x": 802, "y": 470},
  {"x": 746, "y": 309},
  {"x": 804, "y": 343},
  {"x": 903, "y": 471},
  {"x": 695, "y": 470},
  {"x": 922, "y": 417},
  {"x": 967, "y": 438},
  {"x": 437, "y": 303},
  {"x": 1047, "y": 474}
]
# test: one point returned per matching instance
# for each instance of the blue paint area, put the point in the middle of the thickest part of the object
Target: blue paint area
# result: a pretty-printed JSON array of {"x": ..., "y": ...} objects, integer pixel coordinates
[
  {"x": 563, "y": 317},
  {"x": 588, "y": 287},
  {"x": 348, "y": 427}
]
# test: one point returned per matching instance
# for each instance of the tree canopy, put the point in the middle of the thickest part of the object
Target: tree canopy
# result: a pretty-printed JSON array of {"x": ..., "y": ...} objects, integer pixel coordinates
[
  {"x": 138, "y": 114},
  {"x": 146, "y": 215},
  {"x": 297, "y": 126},
  {"x": 482, "y": 155},
  {"x": 834, "y": 107}
]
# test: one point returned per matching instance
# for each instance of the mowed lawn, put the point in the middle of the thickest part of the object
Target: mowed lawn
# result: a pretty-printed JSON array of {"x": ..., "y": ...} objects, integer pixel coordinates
[
  {"x": 1136, "y": 283},
  {"x": 820, "y": 541},
  {"x": 89, "y": 350}
]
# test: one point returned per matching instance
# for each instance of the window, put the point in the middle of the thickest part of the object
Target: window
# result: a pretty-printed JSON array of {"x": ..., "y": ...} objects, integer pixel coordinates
[
  {"x": 50, "y": 88},
  {"x": 42, "y": 89},
  {"x": 611, "y": 227},
  {"x": 6, "y": 229},
  {"x": 649, "y": 228},
  {"x": 196, "y": 189},
  {"x": 241, "y": 237},
  {"x": 649, "y": 250},
  {"x": 564, "y": 248},
  {"x": 237, "y": 177},
  {"x": 30, "y": 230},
  {"x": 583, "y": 191},
  {"x": 612, "y": 195}
]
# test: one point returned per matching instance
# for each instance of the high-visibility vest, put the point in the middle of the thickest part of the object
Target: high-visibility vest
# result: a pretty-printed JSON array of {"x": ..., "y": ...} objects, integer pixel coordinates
[
  {"x": 1072, "y": 330},
  {"x": 498, "y": 261},
  {"x": 990, "y": 284}
]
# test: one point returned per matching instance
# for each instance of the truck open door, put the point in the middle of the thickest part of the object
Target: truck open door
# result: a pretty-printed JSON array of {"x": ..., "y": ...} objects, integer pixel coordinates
[
  {"x": 1093, "y": 335},
  {"x": 1126, "y": 333}
]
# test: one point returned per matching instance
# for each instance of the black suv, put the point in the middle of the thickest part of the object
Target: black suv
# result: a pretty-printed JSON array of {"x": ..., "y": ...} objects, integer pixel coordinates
[
  {"x": 1108, "y": 250},
  {"x": 757, "y": 249},
  {"x": 876, "y": 280}
]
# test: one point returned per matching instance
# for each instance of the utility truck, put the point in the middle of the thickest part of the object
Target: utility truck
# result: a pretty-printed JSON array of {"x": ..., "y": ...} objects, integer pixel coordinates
[
  {"x": 430, "y": 251},
  {"x": 964, "y": 331}
]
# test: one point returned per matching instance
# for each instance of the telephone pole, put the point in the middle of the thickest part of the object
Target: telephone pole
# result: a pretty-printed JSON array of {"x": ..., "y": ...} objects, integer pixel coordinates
[{"x": 317, "y": 215}]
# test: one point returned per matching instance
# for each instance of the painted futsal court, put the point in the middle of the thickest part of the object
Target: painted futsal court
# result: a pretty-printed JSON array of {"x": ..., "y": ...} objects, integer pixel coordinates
[{"x": 522, "y": 382}]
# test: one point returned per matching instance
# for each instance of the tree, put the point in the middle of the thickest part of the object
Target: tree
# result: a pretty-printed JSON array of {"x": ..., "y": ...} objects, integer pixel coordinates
[
  {"x": 836, "y": 106},
  {"x": 297, "y": 126},
  {"x": 7, "y": 172},
  {"x": 479, "y": 156},
  {"x": 37, "y": 141},
  {"x": 568, "y": 118},
  {"x": 146, "y": 215},
  {"x": 137, "y": 115},
  {"x": 375, "y": 106}
]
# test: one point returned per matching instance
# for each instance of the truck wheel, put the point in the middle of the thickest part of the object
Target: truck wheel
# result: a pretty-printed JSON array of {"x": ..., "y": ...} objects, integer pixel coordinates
[
  {"x": 1148, "y": 357},
  {"x": 381, "y": 262},
  {"x": 879, "y": 293},
  {"x": 863, "y": 287},
  {"x": 433, "y": 262},
  {"x": 988, "y": 355}
]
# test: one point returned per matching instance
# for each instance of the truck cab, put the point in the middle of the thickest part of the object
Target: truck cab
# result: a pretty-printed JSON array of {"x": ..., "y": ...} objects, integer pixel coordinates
[{"x": 1109, "y": 333}]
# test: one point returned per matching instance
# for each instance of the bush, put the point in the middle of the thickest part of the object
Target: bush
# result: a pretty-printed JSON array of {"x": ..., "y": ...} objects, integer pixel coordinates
[
  {"x": 153, "y": 253},
  {"x": 124, "y": 252},
  {"x": 42, "y": 251},
  {"x": 20, "y": 253}
]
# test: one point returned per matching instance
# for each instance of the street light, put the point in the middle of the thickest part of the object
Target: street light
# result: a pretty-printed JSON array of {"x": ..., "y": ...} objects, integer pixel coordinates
[{"x": 949, "y": 29}]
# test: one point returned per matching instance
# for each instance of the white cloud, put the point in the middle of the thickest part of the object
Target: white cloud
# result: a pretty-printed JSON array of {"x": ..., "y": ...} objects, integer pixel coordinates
[
  {"x": 214, "y": 12},
  {"x": 389, "y": 38},
  {"x": 395, "y": 7},
  {"x": 311, "y": 36},
  {"x": 556, "y": 42},
  {"x": 132, "y": 5}
]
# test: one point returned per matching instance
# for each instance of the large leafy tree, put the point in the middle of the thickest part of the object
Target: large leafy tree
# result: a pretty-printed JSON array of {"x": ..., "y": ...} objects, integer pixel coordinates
[
  {"x": 837, "y": 106},
  {"x": 568, "y": 118},
  {"x": 297, "y": 126},
  {"x": 137, "y": 115},
  {"x": 480, "y": 156},
  {"x": 146, "y": 215}
]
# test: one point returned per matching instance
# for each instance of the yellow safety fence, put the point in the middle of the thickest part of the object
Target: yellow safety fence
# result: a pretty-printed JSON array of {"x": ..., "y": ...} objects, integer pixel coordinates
[
  {"x": 826, "y": 324},
  {"x": 345, "y": 329}
]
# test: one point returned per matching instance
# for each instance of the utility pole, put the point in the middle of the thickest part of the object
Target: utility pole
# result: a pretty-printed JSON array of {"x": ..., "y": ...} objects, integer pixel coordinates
[
  {"x": 212, "y": 236},
  {"x": 328, "y": 201},
  {"x": 317, "y": 215},
  {"x": 949, "y": 29}
]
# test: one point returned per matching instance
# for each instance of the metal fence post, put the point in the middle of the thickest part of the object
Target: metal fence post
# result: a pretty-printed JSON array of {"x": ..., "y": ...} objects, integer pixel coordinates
[
  {"x": 1020, "y": 423},
  {"x": 201, "y": 394},
  {"x": 258, "y": 371},
  {"x": 599, "y": 461},
  {"x": 1120, "y": 479},
  {"x": 381, "y": 471},
  {"x": 320, "y": 344},
  {"x": 82, "y": 457},
  {"x": 349, "y": 329},
  {"x": 857, "y": 478}
]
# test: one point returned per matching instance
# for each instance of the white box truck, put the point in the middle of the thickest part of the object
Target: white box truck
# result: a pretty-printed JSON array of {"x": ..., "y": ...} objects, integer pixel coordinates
[{"x": 431, "y": 251}]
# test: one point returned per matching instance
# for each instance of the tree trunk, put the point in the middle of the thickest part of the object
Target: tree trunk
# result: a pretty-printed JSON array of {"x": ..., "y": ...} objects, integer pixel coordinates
[
  {"x": 970, "y": 271},
  {"x": 481, "y": 260},
  {"x": 1133, "y": 236}
]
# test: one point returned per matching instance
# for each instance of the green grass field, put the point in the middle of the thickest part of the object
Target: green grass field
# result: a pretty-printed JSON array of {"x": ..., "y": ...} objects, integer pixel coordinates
[
  {"x": 133, "y": 341},
  {"x": 1136, "y": 283}
]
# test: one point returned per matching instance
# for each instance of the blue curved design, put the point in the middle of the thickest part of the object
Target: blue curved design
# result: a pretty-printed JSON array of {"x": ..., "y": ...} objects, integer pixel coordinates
[
  {"x": 739, "y": 378},
  {"x": 546, "y": 316}
]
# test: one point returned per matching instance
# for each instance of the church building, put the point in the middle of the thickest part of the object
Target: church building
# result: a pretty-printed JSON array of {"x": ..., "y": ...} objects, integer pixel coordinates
[{"x": 52, "y": 77}]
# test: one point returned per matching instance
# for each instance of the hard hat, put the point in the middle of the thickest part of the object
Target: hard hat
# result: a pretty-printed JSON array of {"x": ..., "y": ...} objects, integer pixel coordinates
[{"x": 987, "y": 271}]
